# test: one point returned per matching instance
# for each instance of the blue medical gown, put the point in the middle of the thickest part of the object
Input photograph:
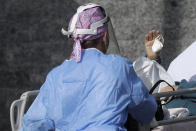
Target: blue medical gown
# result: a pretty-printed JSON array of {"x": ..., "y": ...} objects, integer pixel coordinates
[{"x": 95, "y": 94}]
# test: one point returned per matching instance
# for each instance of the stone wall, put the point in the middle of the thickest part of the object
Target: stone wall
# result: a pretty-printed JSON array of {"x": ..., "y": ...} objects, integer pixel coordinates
[{"x": 31, "y": 43}]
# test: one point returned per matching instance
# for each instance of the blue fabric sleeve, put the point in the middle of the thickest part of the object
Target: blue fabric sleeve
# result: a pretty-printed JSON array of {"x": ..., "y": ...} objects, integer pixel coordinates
[
  {"x": 158, "y": 59},
  {"x": 36, "y": 117},
  {"x": 142, "y": 106}
]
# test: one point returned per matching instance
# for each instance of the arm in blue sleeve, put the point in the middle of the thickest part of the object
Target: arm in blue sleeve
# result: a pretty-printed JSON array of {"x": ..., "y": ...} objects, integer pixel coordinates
[
  {"x": 36, "y": 117},
  {"x": 142, "y": 106}
]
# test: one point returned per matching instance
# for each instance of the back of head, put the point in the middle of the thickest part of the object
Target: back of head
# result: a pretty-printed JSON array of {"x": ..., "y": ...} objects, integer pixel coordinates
[{"x": 86, "y": 27}]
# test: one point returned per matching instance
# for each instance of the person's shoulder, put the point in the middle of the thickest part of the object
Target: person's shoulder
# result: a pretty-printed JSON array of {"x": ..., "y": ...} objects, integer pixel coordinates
[
  {"x": 119, "y": 60},
  {"x": 119, "y": 65},
  {"x": 63, "y": 67}
]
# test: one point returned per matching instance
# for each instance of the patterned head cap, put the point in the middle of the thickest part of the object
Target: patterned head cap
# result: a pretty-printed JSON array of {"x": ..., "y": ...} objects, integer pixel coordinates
[{"x": 85, "y": 19}]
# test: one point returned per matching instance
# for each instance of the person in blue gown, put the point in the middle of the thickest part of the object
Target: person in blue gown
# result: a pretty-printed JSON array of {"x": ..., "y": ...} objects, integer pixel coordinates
[{"x": 92, "y": 91}]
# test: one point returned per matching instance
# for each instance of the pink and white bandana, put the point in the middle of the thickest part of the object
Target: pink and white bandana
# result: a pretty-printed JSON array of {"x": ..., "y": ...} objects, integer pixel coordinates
[{"x": 85, "y": 19}]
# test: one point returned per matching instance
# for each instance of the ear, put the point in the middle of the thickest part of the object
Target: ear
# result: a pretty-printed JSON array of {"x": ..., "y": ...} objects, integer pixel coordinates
[{"x": 106, "y": 39}]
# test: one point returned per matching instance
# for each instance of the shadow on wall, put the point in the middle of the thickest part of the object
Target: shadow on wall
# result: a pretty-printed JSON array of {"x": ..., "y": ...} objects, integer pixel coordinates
[
  {"x": 173, "y": 12},
  {"x": 31, "y": 44}
]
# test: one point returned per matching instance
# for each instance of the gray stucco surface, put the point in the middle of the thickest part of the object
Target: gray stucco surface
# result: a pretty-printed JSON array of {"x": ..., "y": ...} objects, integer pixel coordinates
[{"x": 31, "y": 43}]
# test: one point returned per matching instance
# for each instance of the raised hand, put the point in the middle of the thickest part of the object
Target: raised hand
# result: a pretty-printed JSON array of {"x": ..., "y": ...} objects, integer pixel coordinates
[{"x": 149, "y": 41}]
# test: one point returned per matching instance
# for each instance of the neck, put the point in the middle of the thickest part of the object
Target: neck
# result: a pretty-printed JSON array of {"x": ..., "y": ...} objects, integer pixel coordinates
[{"x": 98, "y": 44}]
